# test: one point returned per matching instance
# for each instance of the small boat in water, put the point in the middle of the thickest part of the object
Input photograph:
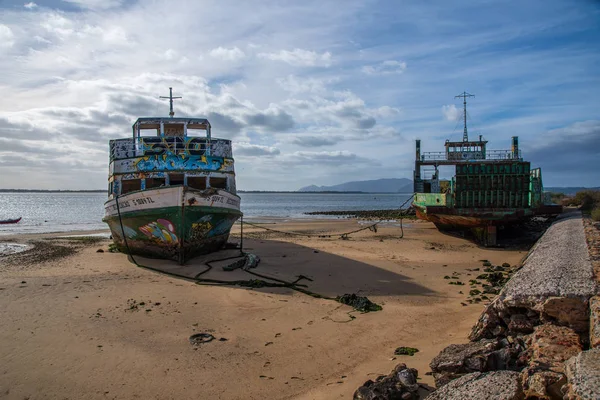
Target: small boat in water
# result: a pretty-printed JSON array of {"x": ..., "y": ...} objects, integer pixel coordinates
[
  {"x": 171, "y": 195},
  {"x": 10, "y": 221}
]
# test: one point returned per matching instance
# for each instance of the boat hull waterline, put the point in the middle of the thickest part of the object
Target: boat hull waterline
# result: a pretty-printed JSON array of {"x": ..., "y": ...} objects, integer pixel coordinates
[
  {"x": 174, "y": 222},
  {"x": 10, "y": 221}
]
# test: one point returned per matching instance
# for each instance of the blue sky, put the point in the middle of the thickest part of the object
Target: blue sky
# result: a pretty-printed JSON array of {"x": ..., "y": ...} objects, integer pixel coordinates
[{"x": 311, "y": 92}]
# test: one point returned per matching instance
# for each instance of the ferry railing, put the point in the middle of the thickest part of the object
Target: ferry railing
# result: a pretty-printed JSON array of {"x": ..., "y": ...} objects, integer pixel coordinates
[
  {"x": 495, "y": 155},
  {"x": 128, "y": 148}
]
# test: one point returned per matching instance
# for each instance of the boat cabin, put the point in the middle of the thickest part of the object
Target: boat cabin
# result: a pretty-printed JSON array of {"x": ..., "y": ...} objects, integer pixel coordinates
[
  {"x": 168, "y": 151},
  {"x": 466, "y": 150}
]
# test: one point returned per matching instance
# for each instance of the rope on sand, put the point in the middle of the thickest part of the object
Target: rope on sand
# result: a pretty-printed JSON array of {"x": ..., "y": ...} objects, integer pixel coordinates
[
  {"x": 344, "y": 235},
  {"x": 249, "y": 261}
]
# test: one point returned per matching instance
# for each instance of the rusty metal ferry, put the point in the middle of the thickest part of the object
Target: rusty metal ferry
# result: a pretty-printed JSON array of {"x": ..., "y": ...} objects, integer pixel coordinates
[
  {"x": 171, "y": 192},
  {"x": 490, "y": 188}
]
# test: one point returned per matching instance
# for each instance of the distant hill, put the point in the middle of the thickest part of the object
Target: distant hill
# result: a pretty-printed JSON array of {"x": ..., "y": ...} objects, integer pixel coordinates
[
  {"x": 568, "y": 190},
  {"x": 393, "y": 185}
]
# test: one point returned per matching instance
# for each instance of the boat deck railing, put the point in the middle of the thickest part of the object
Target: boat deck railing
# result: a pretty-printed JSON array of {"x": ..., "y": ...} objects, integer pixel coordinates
[
  {"x": 490, "y": 155},
  {"x": 179, "y": 146}
]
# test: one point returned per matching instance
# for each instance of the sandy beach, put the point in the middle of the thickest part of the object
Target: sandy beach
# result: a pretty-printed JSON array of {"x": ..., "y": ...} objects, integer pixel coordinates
[{"x": 78, "y": 323}]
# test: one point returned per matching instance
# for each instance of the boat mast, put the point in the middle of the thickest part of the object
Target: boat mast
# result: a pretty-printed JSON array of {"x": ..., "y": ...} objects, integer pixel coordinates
[
  {"x": 464, "y": 95},
  {"x": 171, "y": 112}
]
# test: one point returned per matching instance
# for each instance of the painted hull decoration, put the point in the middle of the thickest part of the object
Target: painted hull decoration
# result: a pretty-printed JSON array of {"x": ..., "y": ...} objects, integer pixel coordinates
[
  {"x": 175, "y": 223},
  {"x": 490, "y": 188},
  {"x": 171, "y": 196}
]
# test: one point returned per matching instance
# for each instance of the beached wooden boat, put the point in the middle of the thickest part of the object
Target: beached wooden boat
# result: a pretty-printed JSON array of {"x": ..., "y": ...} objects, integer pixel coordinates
[
  {"x": 10, "y": 221},
  {"x": 172, "y": 195}
]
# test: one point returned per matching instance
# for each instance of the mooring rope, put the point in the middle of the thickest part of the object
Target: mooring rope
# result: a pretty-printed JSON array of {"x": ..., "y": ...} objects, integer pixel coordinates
[
  {"x": 218, "y": 282},
  {"x": 251, "y": 282},
  {"x": 372, "y": 227},
  {"x": 344, "y": 235}
]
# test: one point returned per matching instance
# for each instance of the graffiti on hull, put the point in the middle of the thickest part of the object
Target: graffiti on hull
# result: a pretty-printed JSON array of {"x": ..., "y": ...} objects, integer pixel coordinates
[
  {"x": 173, "y": 163},
  {"x": 162, "y": 230},
  {"x": 201, "y": 228},
  {"x": 207, "y": 227}
]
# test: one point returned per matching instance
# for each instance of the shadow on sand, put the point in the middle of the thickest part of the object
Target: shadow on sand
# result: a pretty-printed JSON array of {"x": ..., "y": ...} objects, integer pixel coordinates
[{"x": 331, "y": 275}]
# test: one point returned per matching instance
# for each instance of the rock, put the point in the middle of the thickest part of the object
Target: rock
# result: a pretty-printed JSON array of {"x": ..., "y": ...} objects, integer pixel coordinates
[
  {"x": 497, "y": 385},
  {"x": 595, "y": 322},
  {"x": 572, "y": 312},
  {"x": 482, "y": 356},
  {"x": 550, "y": 346},
  {"x": 401, "y": 383},
  {"x": 490, "y": 324},
  {"x": 99, "y": 251},
  {"x": 583, "y": 376},
  {"x": 545, "y": 384},
  {"x": 519, "y": 323},
  {"x": 459, "y": 359}
]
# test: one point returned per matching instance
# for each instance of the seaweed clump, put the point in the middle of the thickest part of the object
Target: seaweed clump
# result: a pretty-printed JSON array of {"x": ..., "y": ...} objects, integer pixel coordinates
[{"x": 359, "y": 303}]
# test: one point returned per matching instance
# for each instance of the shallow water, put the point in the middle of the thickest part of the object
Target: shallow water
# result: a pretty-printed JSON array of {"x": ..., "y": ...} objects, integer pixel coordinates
[
  {"x": 66, "y": 212},
  {"x": 12, "y": 248}
]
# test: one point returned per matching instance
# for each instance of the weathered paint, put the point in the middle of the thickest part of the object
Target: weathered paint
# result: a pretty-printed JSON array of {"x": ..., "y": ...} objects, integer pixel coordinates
[
  {"x": 171, "y": 163},
  {"x": 168, "y": 196},
  {"x": 172, "y": 222},
  {"x": 173, "y": 145}
]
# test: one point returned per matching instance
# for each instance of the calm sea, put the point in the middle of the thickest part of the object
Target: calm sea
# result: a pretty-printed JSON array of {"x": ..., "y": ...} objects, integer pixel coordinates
[{"x": 64, "y": 212}]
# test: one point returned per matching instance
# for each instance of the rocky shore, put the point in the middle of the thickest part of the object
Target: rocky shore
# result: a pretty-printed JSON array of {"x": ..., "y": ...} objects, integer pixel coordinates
[{"x": 538, "y": 339}]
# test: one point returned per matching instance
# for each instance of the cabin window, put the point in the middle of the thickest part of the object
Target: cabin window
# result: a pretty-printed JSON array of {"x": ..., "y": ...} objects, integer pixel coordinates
[
  {"x": 175, "y": 179},
  {"x": 130, "y": 185},
  {"x": 197, "y": 182},
  {"x": 154, "y": 182},
  {"x": 218, "y": 183}
]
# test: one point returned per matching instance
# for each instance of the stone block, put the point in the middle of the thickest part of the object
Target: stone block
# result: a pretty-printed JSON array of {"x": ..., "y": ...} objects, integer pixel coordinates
[
  {"x": 595, "y": 322},
  {"x": 550, "y": 346},
  {"x": 583, "y": 376},
  {"x": 497, "y": 385}
]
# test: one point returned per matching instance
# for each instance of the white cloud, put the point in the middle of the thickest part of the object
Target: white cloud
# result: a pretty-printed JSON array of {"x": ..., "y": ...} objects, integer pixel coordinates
[
  {"x": 258, "y": 81},
  {"x": 57, "y": 24},
  {"x": 300, "y": 58},
  {"x": 231, "y": 54},
  {"x": 386, "y": 67},
  {"x": 451, "y": 113},
  {"x": 254, "y": 150},
  {"x": 95, "y": 4},
  {"x": 305, "y": 84},
  {"x": 31, "y": 5},
  {"x": 6, "y": 36},
  {"x": 327, "y": 158}
]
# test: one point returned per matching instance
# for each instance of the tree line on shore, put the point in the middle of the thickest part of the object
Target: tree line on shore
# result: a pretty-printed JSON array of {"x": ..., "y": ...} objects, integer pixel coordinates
[{"x": 587, "y": 200}]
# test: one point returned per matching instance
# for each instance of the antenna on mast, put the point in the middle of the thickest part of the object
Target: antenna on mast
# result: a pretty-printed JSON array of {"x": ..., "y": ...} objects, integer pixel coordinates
[
  {"x": 464, "y": 95},
  {"x": 171, "y": 112}
]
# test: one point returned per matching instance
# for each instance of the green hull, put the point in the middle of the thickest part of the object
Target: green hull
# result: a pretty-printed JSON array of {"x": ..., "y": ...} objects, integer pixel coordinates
[{"x": 176, "y": 233}]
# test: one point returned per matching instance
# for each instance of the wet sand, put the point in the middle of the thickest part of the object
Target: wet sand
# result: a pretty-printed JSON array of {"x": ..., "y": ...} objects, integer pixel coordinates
[{"x": 88, "y": 324}]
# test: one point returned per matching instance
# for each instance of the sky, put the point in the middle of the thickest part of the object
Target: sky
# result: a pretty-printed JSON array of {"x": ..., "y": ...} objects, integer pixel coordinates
[{"x": 310, "y": 92}]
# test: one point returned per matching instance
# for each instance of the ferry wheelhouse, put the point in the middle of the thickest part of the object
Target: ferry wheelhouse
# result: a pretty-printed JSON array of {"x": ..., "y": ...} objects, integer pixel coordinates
[{"x": 172, "y": 192}]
